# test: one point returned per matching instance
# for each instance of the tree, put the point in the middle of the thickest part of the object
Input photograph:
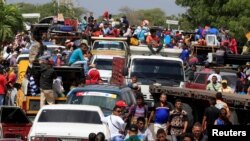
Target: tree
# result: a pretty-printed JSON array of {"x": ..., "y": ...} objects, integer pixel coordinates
[
  {"x": 11, "y": 22},
  {"x": 51, "y": 9},
  {"x": 155, "y": 16},
  {"x": 231, "y": 14}
]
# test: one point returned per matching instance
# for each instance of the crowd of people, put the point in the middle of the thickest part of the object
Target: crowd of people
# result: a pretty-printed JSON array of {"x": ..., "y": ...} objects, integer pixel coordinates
[
  {"x": 134, "y": 125},
  {"x": 170, "y": 123}
]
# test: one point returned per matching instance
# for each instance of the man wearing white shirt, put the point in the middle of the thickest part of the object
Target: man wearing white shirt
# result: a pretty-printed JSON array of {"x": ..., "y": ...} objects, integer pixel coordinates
[
  {"x": 116, "y": 124},
  {"x": 217, "y": 74}
]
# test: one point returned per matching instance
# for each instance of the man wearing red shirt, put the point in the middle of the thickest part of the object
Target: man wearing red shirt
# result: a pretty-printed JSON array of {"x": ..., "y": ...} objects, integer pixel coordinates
[
  {"x": 3, "y": 83},
  {"x": 153, "y": 41}
]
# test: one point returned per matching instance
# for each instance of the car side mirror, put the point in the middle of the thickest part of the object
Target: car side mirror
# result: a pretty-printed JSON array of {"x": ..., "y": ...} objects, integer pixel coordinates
[{"x": 125, "y": 71}]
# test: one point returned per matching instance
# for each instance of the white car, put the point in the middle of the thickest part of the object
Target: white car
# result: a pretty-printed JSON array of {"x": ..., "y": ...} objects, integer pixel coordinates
[
  {"x": 67, "y": 123},
  {"x": 104, "y": 65}
]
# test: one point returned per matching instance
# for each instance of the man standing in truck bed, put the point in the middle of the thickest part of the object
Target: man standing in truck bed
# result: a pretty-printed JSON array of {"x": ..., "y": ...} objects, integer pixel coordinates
[{"x": 46, "y": 81}]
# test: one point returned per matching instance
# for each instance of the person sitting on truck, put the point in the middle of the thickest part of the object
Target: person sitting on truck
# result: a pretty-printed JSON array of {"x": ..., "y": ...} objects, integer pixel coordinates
[
  {"x": 153, "y": 41},
  {"x": 233, "y": 45},
  {"x": 184, "y": 56},
  {"x": 225, "y": 88},
  {"x": 214, "y": 85},
  {"x": 217, "y": 74},
  {"x": 77, "y": 57}
]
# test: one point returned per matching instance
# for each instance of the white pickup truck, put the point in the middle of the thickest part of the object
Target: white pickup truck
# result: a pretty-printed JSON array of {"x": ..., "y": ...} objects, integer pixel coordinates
[
  {"x": 67, "y": 123},
  {"x": 167, "y": 71}
]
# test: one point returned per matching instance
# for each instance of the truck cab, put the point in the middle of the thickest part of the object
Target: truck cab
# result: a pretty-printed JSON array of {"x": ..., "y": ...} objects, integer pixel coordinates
[
  {"x": 166, "y": 71},
  {"x": 109, "y": 46}
]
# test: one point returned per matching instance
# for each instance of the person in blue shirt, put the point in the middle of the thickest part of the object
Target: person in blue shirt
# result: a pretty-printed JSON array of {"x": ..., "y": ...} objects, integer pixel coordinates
[
  {"x": 161, "y": 113},
  {"x": 77, "y": 57},
  {"x": 184, "y": 54}
]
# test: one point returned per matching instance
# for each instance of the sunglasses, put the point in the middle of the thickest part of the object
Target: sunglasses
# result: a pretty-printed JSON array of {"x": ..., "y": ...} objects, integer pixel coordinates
[{"x": 118, "y": 111}]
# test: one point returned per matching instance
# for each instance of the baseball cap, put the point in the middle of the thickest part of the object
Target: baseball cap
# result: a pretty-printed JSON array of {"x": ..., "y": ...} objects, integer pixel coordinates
[
  {"x": 224, "y": 81},
  {"x": 67, "y": 41},
  {"x": 121, "y": 103},
  {"x": 133, "y": 128}
]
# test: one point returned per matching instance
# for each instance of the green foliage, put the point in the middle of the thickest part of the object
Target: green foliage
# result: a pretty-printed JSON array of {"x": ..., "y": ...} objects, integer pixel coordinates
[
  {"x": 155, "y": 16},
  {"x": 10, "y": 22},
  {"x": 51, "y": 9},
  {"x": 231, "y": 14}
]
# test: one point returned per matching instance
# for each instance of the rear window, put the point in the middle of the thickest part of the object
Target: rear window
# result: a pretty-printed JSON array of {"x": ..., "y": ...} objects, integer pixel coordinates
[
  {"x": 101, "y": 99},
  {"x": 201, "y": 78},
  {"x": 103, "y": 64},
  {"x": 70, "y": 116},
  {"x": 108, "y": 45}
]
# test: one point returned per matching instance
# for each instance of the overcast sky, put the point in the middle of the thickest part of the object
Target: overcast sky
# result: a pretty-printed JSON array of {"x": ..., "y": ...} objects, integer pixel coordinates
[{"x": 113, "y": 6}]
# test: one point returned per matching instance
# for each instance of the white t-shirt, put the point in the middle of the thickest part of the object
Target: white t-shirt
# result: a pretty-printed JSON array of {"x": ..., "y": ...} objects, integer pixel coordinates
[
  {"x": 114, "y": 122},
  {"x": 219, "y": 79}
]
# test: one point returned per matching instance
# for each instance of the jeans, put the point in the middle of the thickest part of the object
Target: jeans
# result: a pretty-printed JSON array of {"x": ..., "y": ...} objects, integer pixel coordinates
[
  {"x": 85, "y": 66},
  {"x": 2, "y": 97},
  {"x": 153, "y": 51},
  {"x": 117, "y": 138}
]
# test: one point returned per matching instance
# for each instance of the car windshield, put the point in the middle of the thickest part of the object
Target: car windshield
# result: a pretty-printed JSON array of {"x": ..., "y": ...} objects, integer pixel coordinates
[
  {"x": 108, "y": 45},
  {"x": 70, "y": 116},
  {"x": 104, "y": 100},
  {"x": 103, "y": 64},
  {"x": 158, "y": 69}
]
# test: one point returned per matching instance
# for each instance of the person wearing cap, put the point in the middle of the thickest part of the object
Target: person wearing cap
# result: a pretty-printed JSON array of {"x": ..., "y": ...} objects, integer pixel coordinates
[
  {"x": 122, "y": 104},
  {"x": 225, "y": 88},
  {"x": 93, "y": 76},
  {"x": 46, "y": 81},
  {"x": 247, "y": 69},
  {"x": 214, "y": 85},
  {"x": 132, "y": 132},
  {"x": 116, "y": 124}
]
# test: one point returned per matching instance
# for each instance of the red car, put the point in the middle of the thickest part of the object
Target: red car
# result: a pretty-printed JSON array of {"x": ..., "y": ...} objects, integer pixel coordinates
[
  {"x": 200, "y": 80},
  {"x": 14, "y": 123}
]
